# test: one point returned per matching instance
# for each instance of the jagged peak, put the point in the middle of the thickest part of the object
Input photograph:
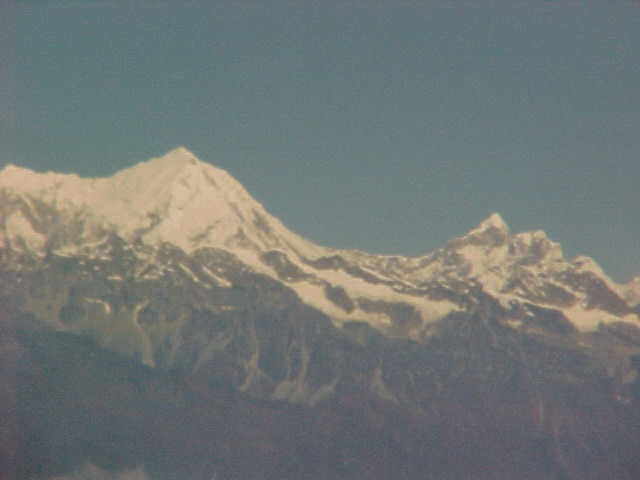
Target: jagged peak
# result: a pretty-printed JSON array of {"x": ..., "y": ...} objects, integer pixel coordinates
[
  {"x": 169, "y": 164},
  {"x": 180, "y": 156},
  {"x": 179, "y": 164},
  {"x": 493, "y": 221},
  {"x": 177, "y": 170},
  {"x": 181, "y": 151},
  {"x": 532, "y": 236},
  {"x": 537, "y": 243},
  {"x": 491, "y": 232}
]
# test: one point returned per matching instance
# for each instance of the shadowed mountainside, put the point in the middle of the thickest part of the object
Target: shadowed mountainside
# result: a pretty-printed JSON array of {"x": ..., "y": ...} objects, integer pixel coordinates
[{"x": 488, "y": 418}]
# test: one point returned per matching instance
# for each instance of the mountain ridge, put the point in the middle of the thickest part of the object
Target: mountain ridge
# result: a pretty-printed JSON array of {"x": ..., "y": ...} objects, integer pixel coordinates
[
  {"x": 249, "y": 352},
  {"x": 180, "y": 200}
]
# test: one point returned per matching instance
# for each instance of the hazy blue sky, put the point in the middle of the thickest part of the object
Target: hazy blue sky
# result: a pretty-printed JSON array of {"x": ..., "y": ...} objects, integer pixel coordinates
[{"x": 390, "y": 126}]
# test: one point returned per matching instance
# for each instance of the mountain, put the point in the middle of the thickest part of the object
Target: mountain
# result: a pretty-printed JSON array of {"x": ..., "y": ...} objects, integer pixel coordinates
[
  {"x": 174, "y": 198},
  {"x": 168, "y": 290}
]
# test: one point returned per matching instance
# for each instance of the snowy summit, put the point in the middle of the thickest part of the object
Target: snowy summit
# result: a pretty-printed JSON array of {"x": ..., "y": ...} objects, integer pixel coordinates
[{"x": 175, "y": 198}]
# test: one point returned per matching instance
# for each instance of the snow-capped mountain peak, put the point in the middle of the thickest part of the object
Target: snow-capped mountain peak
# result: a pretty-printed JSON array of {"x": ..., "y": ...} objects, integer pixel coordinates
[
  {"x": 492, "y": 222},
  {"x": 491, "y": 232},
  {"x": 174, "y": 198}
]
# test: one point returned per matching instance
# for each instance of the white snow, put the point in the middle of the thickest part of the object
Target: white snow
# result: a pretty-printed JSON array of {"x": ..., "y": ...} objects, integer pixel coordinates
[
  {"x": 588, "y": 320},
  {"x": 312, "y": 292},
  {"x": 588, "y": 264},
  {"x": 356, "y": 287},
  {"x": 18, "y": 226},
  {"x": 175, "y": 198},
  {"x": 221, "y": 282},
  {"x": 189, "y": 273},
  {"x": 494, "y": 220}
]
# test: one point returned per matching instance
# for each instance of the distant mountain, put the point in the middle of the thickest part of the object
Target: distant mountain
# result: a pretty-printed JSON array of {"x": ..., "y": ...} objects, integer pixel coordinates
[{"x": 169, "y": 290}]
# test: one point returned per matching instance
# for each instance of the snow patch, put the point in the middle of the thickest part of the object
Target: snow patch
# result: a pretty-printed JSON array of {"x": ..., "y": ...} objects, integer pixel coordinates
[
  {"x": 588, "y": 320},
  {"x": 19, "y": 227},
  {"x": 190, "y": 273},
  {"x": 102, "y": 303},
  {"x": 221, "y": 282}
]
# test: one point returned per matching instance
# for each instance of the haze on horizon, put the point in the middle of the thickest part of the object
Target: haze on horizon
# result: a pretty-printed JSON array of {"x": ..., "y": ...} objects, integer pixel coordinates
[{"x": 385, "y": 126}]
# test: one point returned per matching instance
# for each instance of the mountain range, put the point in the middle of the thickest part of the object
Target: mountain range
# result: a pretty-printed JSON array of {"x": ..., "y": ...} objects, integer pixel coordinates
[{"x": 160, "y": 323}]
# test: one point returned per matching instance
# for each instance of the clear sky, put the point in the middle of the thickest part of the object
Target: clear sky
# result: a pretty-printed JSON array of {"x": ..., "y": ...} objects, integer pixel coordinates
[{"x": 385, "y": 125}]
